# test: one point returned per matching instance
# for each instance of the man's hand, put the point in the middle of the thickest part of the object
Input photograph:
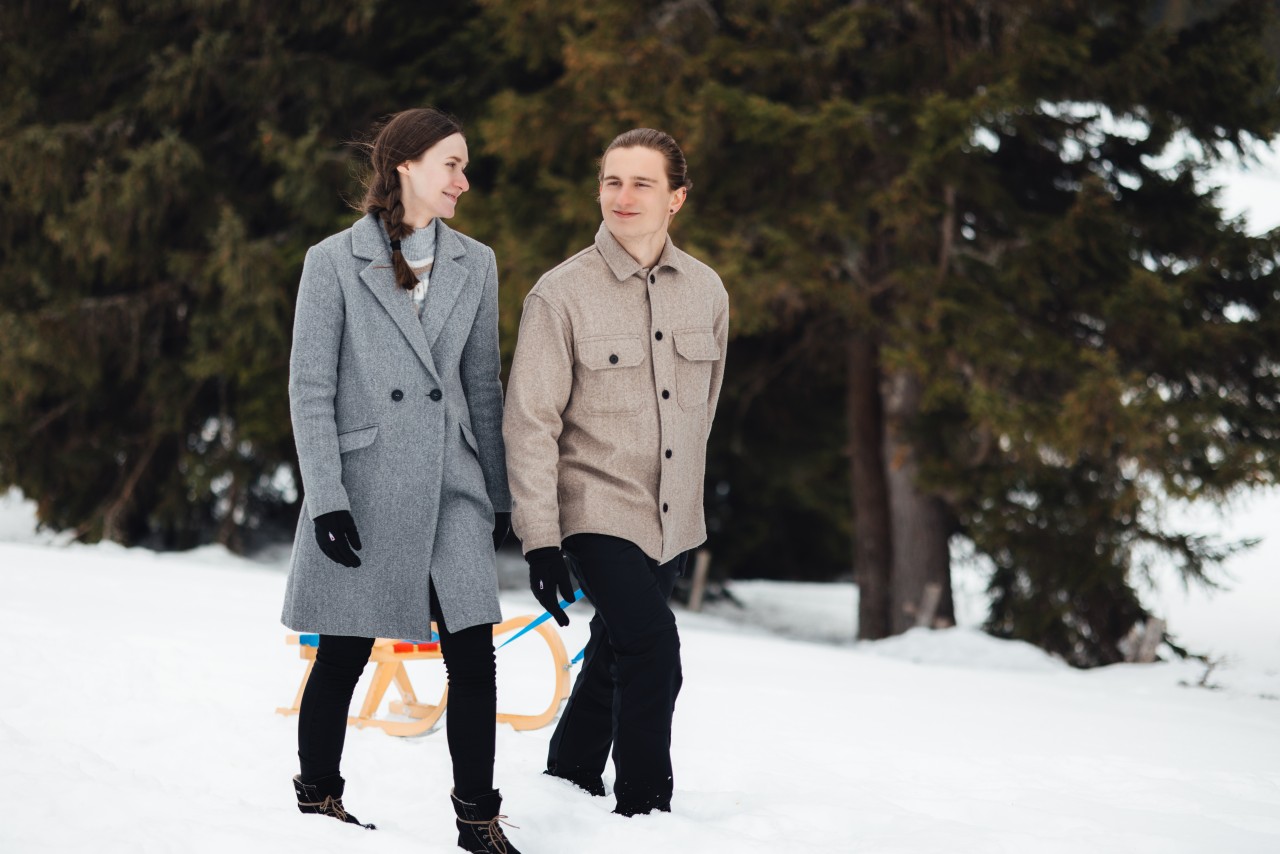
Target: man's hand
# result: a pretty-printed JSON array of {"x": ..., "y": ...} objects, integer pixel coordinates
[
  {"x": 548, "y": 573},
  {"x": 337, "y": 535}
]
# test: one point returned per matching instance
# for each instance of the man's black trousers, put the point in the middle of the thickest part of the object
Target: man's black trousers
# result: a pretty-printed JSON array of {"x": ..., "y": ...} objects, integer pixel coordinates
[
  {"x": 626, "y": 693},
  {"x": 472, "y": 672}
]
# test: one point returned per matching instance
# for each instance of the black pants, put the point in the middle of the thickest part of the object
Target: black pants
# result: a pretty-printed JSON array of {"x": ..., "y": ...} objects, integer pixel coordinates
[
  {"x": 472, "y": 671},
  {"x": 625, "y": 695}
]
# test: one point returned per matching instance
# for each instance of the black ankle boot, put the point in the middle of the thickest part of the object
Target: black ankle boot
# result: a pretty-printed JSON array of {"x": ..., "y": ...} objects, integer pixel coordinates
[
  {"x": 478, "y": 829},
  {"x": 591, "y": 785},
  {"x": 641, "y": 800},
  {"x": 631, "y": 809},
  {"x": 324, "y": 796}
]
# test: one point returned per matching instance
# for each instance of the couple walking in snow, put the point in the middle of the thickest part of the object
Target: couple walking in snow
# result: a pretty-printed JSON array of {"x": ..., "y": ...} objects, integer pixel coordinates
[{"x": 413, "y": 471}]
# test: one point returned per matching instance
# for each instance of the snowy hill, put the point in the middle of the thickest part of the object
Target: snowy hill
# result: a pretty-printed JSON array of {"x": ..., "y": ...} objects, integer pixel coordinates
[{"x": 138, "y": 716}]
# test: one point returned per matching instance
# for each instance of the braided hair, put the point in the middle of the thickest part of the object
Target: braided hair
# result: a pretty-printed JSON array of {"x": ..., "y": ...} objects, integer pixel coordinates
[{"x": 402, "y": 137}]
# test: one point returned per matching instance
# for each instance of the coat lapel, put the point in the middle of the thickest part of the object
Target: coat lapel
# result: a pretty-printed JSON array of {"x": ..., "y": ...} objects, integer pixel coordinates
[
  {"x": 448, "y": 278},
  {"x": 368, "y": 241}
]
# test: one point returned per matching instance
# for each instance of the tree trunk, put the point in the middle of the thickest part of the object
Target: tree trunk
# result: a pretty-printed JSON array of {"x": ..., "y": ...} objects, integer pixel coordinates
[
  {"x": 871, "y": 544},
  {"x": 919, "y": 523}
]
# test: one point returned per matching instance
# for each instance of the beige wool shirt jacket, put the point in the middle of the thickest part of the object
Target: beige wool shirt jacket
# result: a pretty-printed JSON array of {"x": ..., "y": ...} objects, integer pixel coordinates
[{"x": 612, "y": 392}]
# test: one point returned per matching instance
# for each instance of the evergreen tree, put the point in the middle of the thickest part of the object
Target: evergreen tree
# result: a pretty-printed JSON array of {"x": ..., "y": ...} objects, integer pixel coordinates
[
  {"x": 968, "y": 267},
  {"x": 1044, "y": 333},
  {"x": 163, "y": 168}
]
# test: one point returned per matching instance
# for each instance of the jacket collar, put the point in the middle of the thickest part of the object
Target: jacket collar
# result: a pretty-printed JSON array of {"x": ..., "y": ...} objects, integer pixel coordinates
[
  {"x": 369, "y": 242},
  {"x": 620, "y": 261}
]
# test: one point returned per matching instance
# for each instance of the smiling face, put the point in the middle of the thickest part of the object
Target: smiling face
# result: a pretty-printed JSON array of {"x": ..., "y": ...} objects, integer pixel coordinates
[
  {"x": 431, "y": 185},
  {"x": 636, "y": 199}
]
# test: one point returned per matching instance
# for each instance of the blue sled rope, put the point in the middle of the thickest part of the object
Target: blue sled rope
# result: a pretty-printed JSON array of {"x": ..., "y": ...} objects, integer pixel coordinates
[{"x": 546, "y": 615}]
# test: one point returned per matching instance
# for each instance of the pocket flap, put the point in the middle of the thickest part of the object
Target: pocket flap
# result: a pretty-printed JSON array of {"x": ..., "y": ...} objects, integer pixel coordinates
[
  {"x": 697, "y": 345},
  {"x": 469, "y": 437},
  {"x": 611, "y": 351},
  {"x": 355, "y": 439}
]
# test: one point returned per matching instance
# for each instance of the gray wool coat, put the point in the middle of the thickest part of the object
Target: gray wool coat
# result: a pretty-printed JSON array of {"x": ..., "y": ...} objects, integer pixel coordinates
[{"x": 398, "y": 420}]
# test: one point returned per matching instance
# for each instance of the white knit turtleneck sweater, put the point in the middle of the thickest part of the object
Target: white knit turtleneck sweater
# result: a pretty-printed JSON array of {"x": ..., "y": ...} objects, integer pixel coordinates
[{"x": 419, "y": 250}]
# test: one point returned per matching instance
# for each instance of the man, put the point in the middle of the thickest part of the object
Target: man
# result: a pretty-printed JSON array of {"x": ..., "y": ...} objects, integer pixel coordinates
[{"x": 611, "y": 397}]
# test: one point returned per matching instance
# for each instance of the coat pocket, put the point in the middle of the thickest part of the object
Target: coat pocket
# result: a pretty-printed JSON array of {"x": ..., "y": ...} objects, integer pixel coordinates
[
  {"x": 698, "y": 352},
  {"x": 353, "y": 440},
  {"x": 613, "y": 377},
  {"x": 470, "y": 439}
]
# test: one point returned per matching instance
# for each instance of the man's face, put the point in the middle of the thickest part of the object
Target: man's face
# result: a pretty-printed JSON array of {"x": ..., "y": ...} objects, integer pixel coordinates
[{"x": 635, "y": 199}]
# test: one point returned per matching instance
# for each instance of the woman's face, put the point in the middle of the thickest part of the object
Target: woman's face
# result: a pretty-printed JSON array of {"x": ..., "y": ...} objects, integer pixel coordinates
[{"x": 431, "y": 185}]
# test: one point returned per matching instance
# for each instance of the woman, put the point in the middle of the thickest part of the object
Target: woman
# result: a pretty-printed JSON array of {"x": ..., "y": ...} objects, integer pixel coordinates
[{"x": 396, "y": 403}]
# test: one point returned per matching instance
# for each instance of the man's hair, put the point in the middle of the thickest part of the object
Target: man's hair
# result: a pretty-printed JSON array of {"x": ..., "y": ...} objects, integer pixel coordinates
[{"x": 677, "y": 169}]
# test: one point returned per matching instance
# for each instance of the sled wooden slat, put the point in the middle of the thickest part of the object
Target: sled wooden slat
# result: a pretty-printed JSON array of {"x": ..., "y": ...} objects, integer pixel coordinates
[{"x": 390, "y": 671}]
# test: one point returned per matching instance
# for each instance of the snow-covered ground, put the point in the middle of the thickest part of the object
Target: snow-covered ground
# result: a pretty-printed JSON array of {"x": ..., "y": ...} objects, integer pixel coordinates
[{"x": 137, "y": 715}]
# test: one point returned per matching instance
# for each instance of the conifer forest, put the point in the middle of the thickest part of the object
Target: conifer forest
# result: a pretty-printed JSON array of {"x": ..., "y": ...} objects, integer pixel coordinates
[{"x": 979, "y": 294}]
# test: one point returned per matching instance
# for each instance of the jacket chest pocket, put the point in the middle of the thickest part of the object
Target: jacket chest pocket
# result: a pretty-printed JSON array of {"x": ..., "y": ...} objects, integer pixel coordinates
[
  {"x": 696, "y": 353},
  {"x": 613, "y": 375}
]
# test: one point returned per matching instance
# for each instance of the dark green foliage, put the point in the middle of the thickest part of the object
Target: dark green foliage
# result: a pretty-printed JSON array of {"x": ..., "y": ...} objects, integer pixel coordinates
[
  {"x": 164, "y": 166},
  {"x": 972, "y": 187},
  {"x": 948, "y": 179},
  {"x": 777, "y": 484}
]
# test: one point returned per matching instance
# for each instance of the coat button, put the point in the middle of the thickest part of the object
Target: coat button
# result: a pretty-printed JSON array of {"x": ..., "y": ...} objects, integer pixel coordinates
[
  {"x": 397, "y": 395},
  {"x": 658, "y": 335},
  {"x": 668, "y": 453},
  {"x": 613, "y": 359},
  {"x": 665, "y": 394},
  {"x": 652, "y": 278},
  {"x": 664, "y": 507},
  {"x": 435, "y": 394}
]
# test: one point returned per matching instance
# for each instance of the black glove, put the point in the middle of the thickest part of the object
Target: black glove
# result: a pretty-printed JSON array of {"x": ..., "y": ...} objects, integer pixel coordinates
[
  {"x": 547, "y": 573},
  {"x": 333, "y": 532},
  {"x": 501, "y": 527}
]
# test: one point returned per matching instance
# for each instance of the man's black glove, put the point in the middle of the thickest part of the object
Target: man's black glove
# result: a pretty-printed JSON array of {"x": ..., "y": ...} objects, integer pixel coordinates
[
  {"x": 333, "y": 532},
  {"x": 548, "y": 573},
  {"x": 501, "y": 527}
]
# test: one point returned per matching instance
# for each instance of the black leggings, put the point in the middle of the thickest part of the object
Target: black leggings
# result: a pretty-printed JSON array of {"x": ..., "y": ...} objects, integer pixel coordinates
[{"x": 472, "y": 671}]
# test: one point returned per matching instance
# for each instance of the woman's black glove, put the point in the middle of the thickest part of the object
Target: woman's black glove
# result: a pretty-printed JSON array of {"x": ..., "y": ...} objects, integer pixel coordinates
[
  {"x": 547, "y": 573},
  {"x": 501, "y": 527},
  {"x": 333, "y": 533}
]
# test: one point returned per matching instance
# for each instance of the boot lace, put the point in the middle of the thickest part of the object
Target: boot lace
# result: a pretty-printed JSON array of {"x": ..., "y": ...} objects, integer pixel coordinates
[
  {"x": 493, "y": 833},
  {"x": 330, "y": 806}
]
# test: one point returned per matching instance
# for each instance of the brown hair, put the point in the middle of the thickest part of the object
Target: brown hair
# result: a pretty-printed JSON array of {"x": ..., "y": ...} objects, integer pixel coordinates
[
  {"x": 402, "y": 137},
  {"x": 677, "y": 169}
]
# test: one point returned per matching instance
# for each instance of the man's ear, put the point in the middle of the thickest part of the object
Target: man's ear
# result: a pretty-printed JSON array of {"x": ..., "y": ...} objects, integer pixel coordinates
[{"x": 677, "y": 199}]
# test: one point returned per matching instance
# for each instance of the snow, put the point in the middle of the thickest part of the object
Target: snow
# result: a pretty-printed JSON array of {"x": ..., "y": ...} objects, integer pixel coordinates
[
  {"x": 138, "y": 716},
  {"x": 1240, "y": 623},
  {"x": 1250, "y": 186}
]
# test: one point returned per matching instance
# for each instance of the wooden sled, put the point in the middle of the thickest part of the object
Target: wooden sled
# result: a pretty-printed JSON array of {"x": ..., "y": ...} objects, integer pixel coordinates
[{"x": 390, "y": 657}]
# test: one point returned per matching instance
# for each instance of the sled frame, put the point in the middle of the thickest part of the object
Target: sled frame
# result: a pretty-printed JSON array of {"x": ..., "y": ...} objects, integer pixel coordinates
[{"x": 390, "y": 671}]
